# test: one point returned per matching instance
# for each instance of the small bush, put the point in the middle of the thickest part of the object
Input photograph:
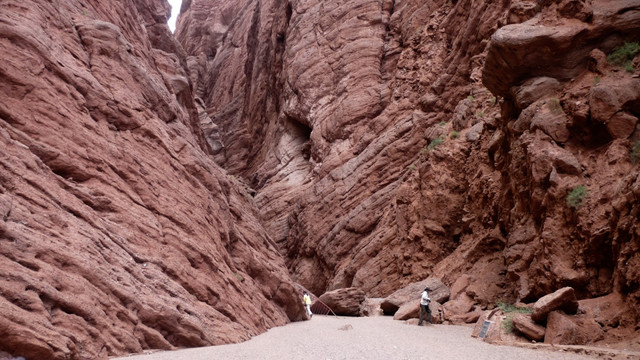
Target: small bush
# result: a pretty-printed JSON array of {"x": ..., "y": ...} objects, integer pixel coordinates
[
  {"x": 454, "y": 135},
  {"x": 596, "y": 80},
  {"x": 554, "y": 105},
  {"x": 412, "y": 167},
  {"x": 509, "y": 308},
  {"x": 239, "y": 277},
  {"x": 623, "y": 55},
  {"x": 470, "y": 97},
  {"x": 480, "y": 113},
  {"x": 492, "y": 101},
  {"x": 576, "y": 196},
  {"x": 442, "y": 123},
  {"x": 628, "y": 67},
  {"x": 635, "y": 152},
  {"x": 435, "y": 142},
  {"x": 507, "y": 324}
]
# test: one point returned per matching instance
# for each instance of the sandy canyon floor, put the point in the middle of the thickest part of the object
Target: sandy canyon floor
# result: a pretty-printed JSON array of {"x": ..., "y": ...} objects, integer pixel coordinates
[{"x": 333, "y": 338}]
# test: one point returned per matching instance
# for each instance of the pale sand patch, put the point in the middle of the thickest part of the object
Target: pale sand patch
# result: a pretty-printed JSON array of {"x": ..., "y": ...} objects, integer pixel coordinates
[{"x": 329, "y": 337}]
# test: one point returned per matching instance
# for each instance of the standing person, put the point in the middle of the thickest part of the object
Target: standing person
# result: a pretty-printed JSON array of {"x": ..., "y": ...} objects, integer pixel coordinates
[
  {"x": 307, "y": 303},
  {"x": 424, "y": 306}
]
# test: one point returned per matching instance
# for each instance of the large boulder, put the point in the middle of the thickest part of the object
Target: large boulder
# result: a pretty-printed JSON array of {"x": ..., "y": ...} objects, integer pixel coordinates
[
  {"x": 551, "y": 119},
  {"x": 524, "y": 324},
  {"x": 546, "y": 156},
  {"x": 411, "y": 293},
  {"x": 612, "y": 102},
  {"x": 460, "y": 305},
  {"x": 344, "y": 301},
  {"x": 562, "y": 299},
  {"x": 411, "y": 310},
  {"x": 563, "y": 329},
  {"x": 534, "y": 89}
]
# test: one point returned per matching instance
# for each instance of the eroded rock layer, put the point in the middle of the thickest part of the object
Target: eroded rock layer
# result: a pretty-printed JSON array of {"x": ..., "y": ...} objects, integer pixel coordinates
[
  {"x": 118, "y": 232},
  {"x": 487, "y": 143}
]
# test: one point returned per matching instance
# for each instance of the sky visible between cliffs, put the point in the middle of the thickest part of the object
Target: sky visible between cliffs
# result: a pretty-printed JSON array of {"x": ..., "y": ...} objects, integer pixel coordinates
[{"x": 175, "y": 10}]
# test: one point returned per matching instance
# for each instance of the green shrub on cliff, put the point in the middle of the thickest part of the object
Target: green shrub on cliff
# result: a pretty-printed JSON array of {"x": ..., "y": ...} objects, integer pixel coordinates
[
  {"x": 575, "y": 196},
  {"x": 623, "y": 55},
  {"x": 509, "y": 308},
  {"x": 554, "y": 105},
  {"x": 509, "y": 311},
  {"x": 435, "y": 142}
]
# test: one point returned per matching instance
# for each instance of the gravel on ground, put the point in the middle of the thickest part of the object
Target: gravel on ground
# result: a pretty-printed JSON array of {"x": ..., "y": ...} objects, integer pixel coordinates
[{"x": 336, "y": 338}]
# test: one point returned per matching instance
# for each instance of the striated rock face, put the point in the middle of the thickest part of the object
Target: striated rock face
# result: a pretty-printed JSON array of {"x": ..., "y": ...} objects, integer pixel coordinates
[
  {"x": 326, "y": 122},
  {"x": 118, "y": 232},
  {"x": 392, "y": 141}
]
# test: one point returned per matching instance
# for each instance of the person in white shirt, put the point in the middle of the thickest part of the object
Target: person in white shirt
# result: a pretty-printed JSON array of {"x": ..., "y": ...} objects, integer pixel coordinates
[{"x": 424, "y": 306}]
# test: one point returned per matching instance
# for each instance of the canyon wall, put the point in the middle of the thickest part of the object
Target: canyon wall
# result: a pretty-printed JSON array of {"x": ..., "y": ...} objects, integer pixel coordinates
[
  {"x": 485, "y": 143},
  {"x": 149, "y": 186},
  {"x": 118, "y": 232}
]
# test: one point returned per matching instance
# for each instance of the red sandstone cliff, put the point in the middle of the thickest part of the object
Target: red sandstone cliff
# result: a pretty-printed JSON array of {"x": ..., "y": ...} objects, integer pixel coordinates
[
  {"x": 330, "y": 110},
  {"x": 118, "y": 232},
  {"x": 376, "y": 143}
]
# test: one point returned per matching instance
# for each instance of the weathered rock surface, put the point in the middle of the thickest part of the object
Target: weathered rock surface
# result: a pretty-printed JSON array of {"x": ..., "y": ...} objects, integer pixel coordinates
[
  {"x": 344, "y": 124},
  {"x": 535, "y": 89},
  {"x": 328, "y": 89},
  {"x": 525, "y": 325},
  {"x": 118, "y": 232},
  {"x": 344, "y": 301},
  {"x": 371, "y": 307},
  {"x": 514, "y": 56},
  {"x": 612, "y": 103},
  {"x": 572, "y": 330},
  {"x": 563, "y": 299},
  {"x": 350, "y": 122},
  {"x": 488, "y": 315}
]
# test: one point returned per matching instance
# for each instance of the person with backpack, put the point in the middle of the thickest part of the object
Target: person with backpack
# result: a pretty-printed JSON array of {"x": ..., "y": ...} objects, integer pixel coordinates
[{"x": 424, "y": 306}]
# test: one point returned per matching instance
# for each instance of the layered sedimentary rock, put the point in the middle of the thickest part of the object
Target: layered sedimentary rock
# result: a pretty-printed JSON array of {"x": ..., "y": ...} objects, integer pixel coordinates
[
  {"x": 326, "y": 114},
  {"x": 391, "y": 141},
  {"x": 118, "y": 232}
]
